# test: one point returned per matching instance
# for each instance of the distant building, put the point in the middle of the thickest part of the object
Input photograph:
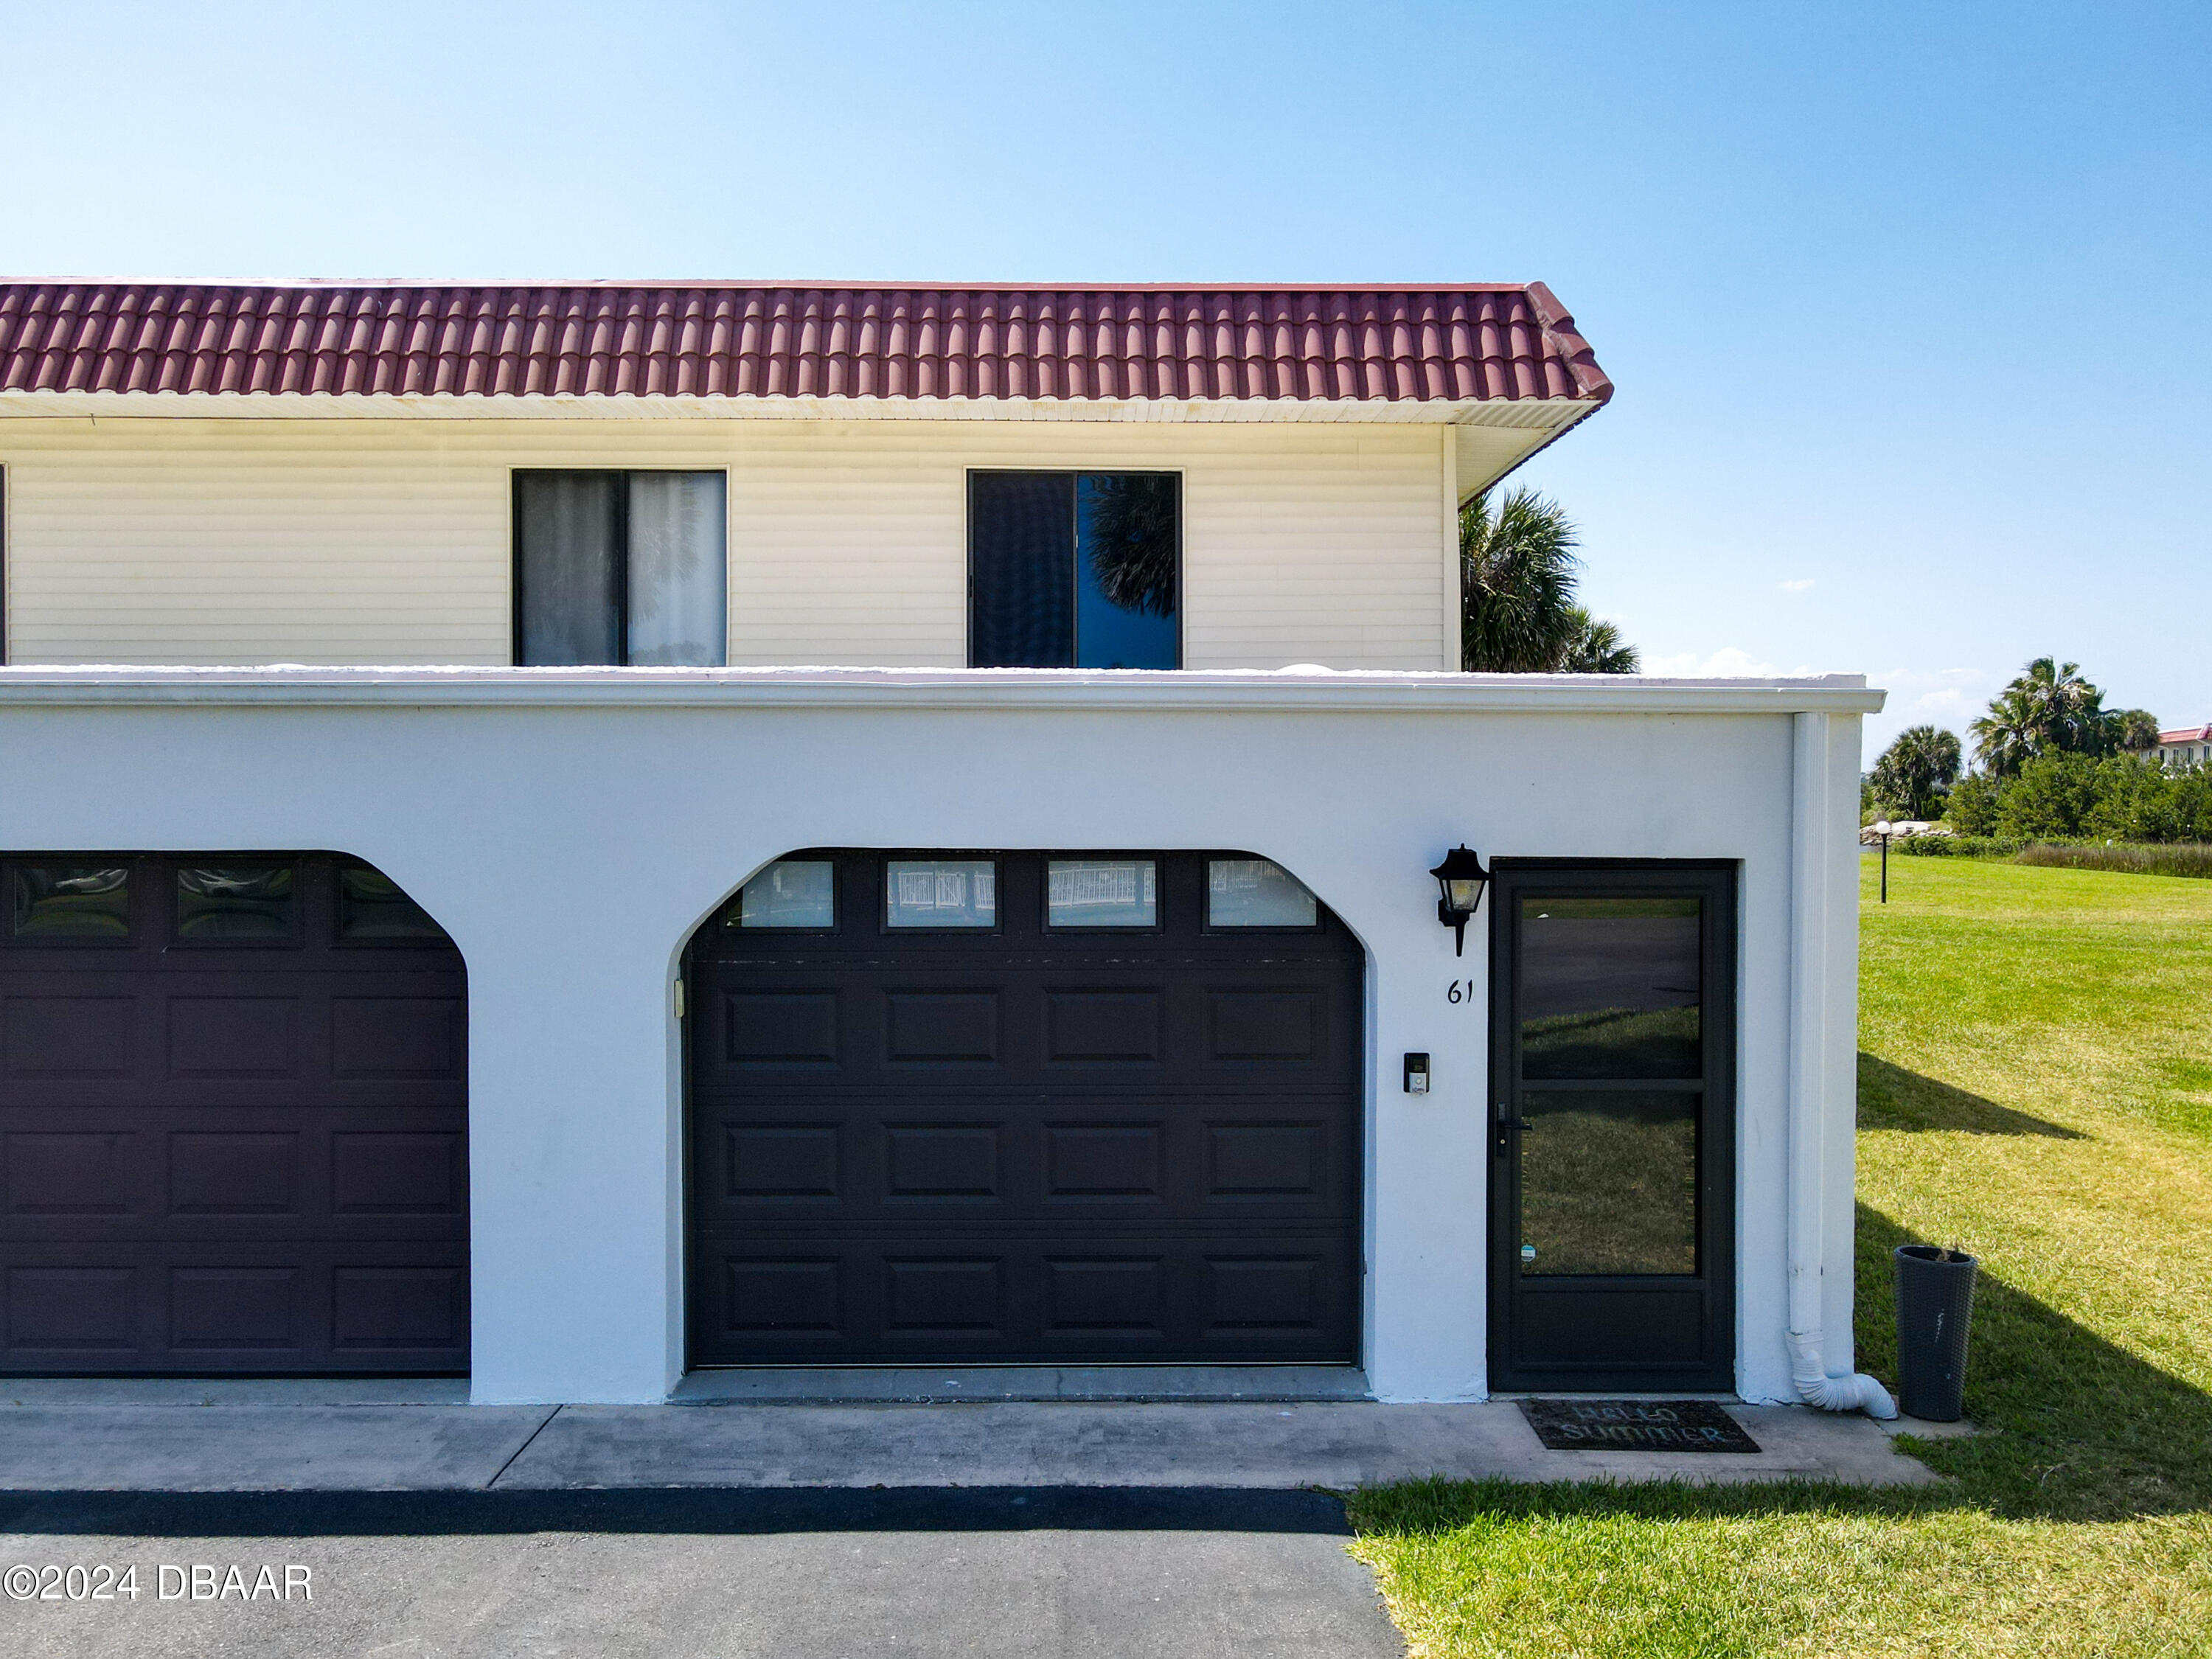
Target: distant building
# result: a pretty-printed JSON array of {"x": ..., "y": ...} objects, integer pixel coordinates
[{"x": 2192, "y": 745}]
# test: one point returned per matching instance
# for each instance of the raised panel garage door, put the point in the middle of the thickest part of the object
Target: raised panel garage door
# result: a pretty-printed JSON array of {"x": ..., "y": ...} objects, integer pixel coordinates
[
  {"x": 1024, "y": 1108},
  {"x": 232, "y": 1119}
]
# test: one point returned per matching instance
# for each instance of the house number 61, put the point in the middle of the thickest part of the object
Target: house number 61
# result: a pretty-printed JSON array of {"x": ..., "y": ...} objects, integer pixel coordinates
[{"x": 1462, "y": 990}]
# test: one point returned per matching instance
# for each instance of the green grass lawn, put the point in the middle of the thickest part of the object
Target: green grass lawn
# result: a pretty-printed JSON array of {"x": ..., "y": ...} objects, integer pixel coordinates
[{"x": 2036, "y": 1083}]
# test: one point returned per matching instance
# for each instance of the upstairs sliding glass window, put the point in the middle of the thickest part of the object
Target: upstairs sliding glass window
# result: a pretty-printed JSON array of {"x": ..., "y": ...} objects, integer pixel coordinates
[
  {"x": 620, "y": 567},
  {"x": 1074, "y": 570}
]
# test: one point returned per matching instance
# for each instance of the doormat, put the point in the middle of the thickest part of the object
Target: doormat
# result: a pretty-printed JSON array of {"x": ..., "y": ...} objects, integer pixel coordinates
[{"x": 1675, "y": 1425}]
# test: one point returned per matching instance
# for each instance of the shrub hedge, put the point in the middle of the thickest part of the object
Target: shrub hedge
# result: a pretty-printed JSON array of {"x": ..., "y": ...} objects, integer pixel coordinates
[
  {"x": 1954, "y": 847},
  {"x": 2170, "y": 859},
  {"x": 2133, "y": 857},
  {"x": 2062, "y": 798}
]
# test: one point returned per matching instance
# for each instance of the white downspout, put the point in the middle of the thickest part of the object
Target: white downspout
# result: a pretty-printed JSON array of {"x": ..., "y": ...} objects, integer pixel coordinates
[{"x": 1813, "y": 826}]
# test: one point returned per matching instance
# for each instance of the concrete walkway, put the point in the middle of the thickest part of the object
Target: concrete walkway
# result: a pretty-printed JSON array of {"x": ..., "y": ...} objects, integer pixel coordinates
[{"x": 219, "y": 1437}]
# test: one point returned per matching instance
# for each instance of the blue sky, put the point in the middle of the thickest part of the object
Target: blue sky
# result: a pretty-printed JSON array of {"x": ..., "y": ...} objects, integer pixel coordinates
[{"x": 1908, "y": 305}]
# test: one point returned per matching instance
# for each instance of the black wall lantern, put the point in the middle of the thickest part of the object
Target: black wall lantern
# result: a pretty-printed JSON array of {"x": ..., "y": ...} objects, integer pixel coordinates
[{"x": 1459, "y": 879}]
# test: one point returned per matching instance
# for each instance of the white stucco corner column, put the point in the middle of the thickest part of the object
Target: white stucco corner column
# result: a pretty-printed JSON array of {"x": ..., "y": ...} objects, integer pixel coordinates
[{"x": 572, "y": 1140}]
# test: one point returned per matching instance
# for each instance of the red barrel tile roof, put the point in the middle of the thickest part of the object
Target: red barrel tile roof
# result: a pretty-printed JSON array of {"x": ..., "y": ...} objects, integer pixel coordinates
[{"x": 1510, "y": 343}]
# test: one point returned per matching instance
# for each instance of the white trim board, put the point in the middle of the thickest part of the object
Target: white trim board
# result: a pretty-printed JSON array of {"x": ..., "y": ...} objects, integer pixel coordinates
[{"x": 1074, "y": 689}]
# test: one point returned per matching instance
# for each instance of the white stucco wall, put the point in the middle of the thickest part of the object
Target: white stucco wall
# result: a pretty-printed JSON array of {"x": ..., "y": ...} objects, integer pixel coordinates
[{"x": 570, "y": 830}]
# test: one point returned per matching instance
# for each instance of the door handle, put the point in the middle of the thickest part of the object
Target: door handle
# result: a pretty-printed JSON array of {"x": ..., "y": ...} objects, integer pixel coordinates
[{"x": 1506, "y": 1128}]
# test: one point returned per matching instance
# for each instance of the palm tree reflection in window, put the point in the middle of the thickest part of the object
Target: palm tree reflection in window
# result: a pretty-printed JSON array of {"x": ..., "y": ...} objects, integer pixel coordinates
[{"x": 1127, "y": 600}]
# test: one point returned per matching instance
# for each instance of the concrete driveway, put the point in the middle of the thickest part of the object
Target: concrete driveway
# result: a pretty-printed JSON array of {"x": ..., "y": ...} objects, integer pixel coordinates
[{"x": 779, "y": 1575}]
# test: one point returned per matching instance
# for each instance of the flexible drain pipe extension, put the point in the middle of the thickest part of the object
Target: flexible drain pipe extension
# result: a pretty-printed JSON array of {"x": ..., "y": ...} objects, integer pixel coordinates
[
  {"x": 1857, "y": 1392},
  {"x": 1811, "y": 964}
]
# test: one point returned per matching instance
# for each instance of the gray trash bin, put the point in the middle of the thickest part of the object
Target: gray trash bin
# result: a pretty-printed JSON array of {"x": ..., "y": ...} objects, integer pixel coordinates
[{"x": 1934, "y": 1305}]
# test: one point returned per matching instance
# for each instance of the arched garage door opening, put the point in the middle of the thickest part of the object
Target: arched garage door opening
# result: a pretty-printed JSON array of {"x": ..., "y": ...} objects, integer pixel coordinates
[
  {"x": 1024, "y": 1108},
  {"x": 234, "y": 1119}
]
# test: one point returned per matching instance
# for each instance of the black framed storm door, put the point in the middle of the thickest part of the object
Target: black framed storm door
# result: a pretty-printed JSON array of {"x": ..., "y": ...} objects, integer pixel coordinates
[{"x": 1612, "y": 1114}]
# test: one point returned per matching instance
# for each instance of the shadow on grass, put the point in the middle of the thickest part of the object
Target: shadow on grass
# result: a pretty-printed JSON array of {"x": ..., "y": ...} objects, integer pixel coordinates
[
  {"x": 2075, "y": 1427},
  {"x": 2071, "y": 1428},
  {"x": 1891, "y": 1097}
]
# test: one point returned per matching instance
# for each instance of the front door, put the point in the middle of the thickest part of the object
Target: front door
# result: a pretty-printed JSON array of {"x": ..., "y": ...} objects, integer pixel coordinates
[{"x": 1612, "y": 1111}]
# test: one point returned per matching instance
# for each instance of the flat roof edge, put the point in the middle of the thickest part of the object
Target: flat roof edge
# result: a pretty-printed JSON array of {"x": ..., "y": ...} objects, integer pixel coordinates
[{"x": 1358, "y": 691}]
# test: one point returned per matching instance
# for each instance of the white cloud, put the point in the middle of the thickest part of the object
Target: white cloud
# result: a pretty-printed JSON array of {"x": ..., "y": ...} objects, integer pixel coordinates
[
  {"x": 1947, "y": 697},
  {"x": 1941, "y": 697},
  {"x": 1729, "y": 663},
  {"x": 1796, "y": 583}
]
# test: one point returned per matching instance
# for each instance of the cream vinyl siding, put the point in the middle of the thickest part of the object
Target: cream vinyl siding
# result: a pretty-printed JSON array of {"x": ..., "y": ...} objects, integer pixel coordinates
[{"x": 386, "y": 540}]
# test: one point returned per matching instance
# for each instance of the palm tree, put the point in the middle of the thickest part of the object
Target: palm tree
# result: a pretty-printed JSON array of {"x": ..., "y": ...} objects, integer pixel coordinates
[
  {"x": 1518, "y": 614},
  {"x": 2006, "y": 737},
  {"x": 2134, "y": 731},
  {"x": 1597, "y": 648},
  {"x": 1914, "y": 772},
  {"x": 2049, "y": 709}
]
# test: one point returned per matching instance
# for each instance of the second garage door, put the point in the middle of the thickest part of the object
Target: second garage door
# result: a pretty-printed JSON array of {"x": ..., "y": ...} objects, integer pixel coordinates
[
  {"x": 1024, "y": 1108},
  {"x": 233, "y": 1105}
]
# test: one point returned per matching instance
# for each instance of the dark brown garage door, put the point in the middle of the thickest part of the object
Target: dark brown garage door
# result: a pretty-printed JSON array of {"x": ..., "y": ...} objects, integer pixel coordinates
[
  {"x": 233, "y": 1117},
  {"x": 1025, "y": 1108}
]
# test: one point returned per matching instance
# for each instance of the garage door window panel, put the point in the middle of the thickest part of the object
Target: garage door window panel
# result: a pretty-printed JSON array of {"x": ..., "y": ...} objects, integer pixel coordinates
[
  {"x": 373, "y": 909},
  {"x": 68, "y": 904},
  {"x": 1122, "y": 894},
  {"x": 799, "y": 895},
  {"x": 940, "y": 893},
  {"x": 236, "y": 904},
  {"x": 1256, "y": 893}
]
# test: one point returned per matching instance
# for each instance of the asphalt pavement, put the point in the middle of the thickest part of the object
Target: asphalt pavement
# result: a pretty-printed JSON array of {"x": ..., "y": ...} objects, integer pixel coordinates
[{"x": 912, "y": 1573}]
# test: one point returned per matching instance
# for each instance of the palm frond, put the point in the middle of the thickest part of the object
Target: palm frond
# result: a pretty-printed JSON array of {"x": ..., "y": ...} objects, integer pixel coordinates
[
  {"x": 1518, "y": 576},
  {"x": 1597, "y": 648}
]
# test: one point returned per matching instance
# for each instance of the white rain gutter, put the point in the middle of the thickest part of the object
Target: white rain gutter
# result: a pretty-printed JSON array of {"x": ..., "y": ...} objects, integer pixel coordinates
[
  {"x": 1290, "y": 690},
  {"x": 1814, "y": 820}
]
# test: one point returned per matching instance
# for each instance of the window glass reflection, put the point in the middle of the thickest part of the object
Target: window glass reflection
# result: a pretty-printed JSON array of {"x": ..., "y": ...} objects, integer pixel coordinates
[
  {"x": 234, "y": 903},
  {"x": 790, "y": 893},
  {"x": 372, "y": 906},
  {"x": 1126, "y": 598},
  {"x": 1609, "y": 1183},
  {"x": 941, "y": 893},
  {"x": 71, "y": 902},
  {"x": 1102, "y": 893},
  {"x": 1255, "y": 893},
  {"x": 1609, "y": 988},
  {"x": 1074, "y": 570}
]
